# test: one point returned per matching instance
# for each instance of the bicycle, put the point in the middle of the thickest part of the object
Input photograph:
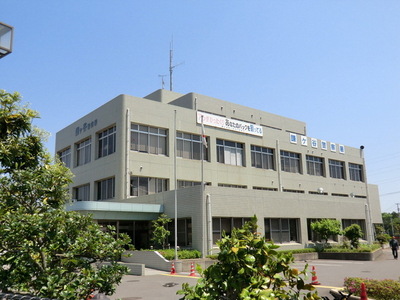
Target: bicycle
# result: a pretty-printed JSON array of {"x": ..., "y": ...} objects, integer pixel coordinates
[{"x": 341, "y": 296}]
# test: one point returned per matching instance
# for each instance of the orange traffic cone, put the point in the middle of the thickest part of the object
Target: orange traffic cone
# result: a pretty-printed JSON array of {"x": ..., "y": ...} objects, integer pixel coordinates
[
  {"x": 314, "y": 278},
  {"x": 192, "y": 273},
  {"x": 363, "y": 295},
  {"x": 173, "y": 271}
]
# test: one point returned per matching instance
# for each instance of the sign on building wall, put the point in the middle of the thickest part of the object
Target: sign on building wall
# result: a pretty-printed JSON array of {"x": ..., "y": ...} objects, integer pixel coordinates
[
  {"x": 229, "y": 124},
  {"x": 333, "y": 147}
]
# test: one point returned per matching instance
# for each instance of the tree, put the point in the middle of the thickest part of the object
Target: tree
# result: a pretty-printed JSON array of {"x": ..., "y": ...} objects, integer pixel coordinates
[
  {"x": 326, "y": 228},
  {"x": 248, "y": 267},
  {"x": 353, "y": 233},
  {"x": 46, "y": 250},
  {"x": 160, "y": 232}
]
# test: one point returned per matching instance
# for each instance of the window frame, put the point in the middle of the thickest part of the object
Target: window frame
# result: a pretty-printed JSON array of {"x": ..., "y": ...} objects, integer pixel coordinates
[
  {"x": 83, "y": 150},
  {"x": 356, "y": 172},
  {"x": 279, "y": 232},
  {"x": 290, "y": 162},
  {"x": 144, "y": 186},
  {"x": 65, "y": 156},
  {"x": 192, "y": 141},
  {"x": 105, "y": 189},
  {"x": 84, "y": 190},
  {"x": 226, "y": 150},
  {"x": 147, "y": 136},
  {"x": 337, "y": 169},
  {"x": 106, "y": 141},
  {"x": 315, "y": 165},
  {"x": 262, "y": 157}
]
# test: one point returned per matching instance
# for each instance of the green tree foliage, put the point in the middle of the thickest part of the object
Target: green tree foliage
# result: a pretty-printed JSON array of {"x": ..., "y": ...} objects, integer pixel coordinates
[
  {"x": 46, "y": 250},
  {"x": 160, "y": 232},
  {"x": 326, "y": 228},
  {"x": 249, "y": 267},
  {"x": 391, "y": 223},
  {"x": 353, "y": 233}
]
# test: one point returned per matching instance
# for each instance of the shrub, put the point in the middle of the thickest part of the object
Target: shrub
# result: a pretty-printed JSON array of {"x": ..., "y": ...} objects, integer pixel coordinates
[
  {"x": 353, "y": 233},
  {"x": 169, "y": 254},
  {"x": 361, "y": 248},
  {"x": 386, "y": 289}
]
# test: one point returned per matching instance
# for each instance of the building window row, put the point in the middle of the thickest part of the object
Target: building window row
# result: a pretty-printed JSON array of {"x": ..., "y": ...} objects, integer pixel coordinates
[{"x": 106, "y": 145}]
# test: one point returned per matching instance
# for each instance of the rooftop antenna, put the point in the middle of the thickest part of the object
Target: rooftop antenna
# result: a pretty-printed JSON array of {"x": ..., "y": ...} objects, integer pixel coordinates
[
  {"x": 162, "y": 80},
  {"x": 171, "y": 66}
]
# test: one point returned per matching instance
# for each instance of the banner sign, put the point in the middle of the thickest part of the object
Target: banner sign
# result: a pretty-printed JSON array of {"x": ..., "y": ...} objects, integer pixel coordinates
[{"x": 229, "y": 124}]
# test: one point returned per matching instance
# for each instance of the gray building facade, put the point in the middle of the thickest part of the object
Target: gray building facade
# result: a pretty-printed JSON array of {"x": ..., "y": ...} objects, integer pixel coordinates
[{"x": 134, "y": 158}]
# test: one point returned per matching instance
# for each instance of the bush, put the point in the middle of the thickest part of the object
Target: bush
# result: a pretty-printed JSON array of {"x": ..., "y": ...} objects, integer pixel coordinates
[
  {"x": 169, "y": 254},
  {"x": 386, "y": 289},
  {"x": 353, "y": 233},
  {"x": 361, "y": 248}
]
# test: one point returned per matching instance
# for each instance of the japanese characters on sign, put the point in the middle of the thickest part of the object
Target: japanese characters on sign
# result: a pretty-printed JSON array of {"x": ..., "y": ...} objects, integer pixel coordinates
[{"x": 229, "y": 124}]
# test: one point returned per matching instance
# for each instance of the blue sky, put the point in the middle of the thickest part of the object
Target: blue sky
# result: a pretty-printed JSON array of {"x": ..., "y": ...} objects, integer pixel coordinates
[{"x": 332, "y": 64}]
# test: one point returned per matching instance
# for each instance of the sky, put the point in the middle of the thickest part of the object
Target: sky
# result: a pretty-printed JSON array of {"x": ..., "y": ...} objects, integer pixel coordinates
[{"x": 332, "y": 64}]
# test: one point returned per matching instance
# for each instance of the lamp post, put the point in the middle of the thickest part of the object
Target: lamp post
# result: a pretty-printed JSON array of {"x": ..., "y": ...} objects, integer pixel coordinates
[{"x": 6, "y": 39}]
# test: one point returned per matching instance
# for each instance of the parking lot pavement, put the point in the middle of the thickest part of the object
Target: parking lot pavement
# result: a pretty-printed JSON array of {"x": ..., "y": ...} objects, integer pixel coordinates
[{"x": 330, "y": 274}]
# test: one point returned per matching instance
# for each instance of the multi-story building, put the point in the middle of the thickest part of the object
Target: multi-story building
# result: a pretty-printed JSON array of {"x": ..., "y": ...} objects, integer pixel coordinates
[{"x": 134, "y": 158}]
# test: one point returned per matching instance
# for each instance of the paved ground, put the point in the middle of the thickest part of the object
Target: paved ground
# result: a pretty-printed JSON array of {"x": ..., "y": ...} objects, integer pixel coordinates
[{"x": 330, "y": 273}]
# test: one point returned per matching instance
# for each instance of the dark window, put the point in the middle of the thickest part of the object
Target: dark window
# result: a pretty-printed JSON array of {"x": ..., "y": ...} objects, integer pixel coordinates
[
  {"x": 290, "y": 162},
  {"x": 230, "y": 153},
  {"x": 65, "y": 157},
  {"x": 315, "y": 165},
  {"x": 83, "y": 152},
  {"x": 141, "y": 186},
  {"x": 336, "y": 169},
  {"x": 356, "y": 172},
  {"x": 189, "y": 146},
  {"x": 106, "y": 189},
  {"x": 220, "y": 225},
  {"x": 148, "y": 139},
  {"x": 107, "y": 142},
  {"x": 262, "y": 157},
  {"x": 82, "y": 193},
  {"x": 281, "y": 230}
]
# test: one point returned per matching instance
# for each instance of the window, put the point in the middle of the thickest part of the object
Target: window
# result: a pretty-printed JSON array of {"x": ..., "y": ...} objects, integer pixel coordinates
[
  {"x": 356, "y": 172},
  {"x": 262, "y": 158},
  {"x": 184, "y": 183},
  {"x": 184, "y": 232},
  {"x": 148, "y": 139},
  {"x": 220, "y": 225},
  {"x": 65, "y": 157},
  {"x": 106, "y": 189},
  {"x": 315, "y": 165},
  {"x": 141, "y": 186},
  {"x": 189, "y": 146},
  {"x": 235, "y": 186},
  {"x": 82, "y": 193},
  {"x": 336, "y": 169},
  {"x": 230, "y": 153},
  {"x": 361, "y": 223},
  {"x": 290, "y": 162},
  {"x": 281, "y": 230},
  {"x": 107, "y": 142},
  {"x": 83, "y": 152}
]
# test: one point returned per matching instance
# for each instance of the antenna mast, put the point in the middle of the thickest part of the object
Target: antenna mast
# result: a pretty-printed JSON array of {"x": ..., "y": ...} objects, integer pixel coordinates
[{"x": 171, "y": 66}]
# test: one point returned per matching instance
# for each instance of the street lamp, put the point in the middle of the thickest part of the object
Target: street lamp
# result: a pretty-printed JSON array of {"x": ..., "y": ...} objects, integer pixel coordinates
[{"x": 6, "y": 38}]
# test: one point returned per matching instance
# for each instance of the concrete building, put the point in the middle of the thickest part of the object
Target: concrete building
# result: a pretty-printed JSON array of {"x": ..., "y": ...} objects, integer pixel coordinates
[{"x": 134, "y": 158}]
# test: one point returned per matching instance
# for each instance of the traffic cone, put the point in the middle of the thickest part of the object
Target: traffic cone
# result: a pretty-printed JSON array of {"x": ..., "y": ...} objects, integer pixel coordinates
[
  {"x": 192, "y": 273},
  {"x": 173, "y": 271},
  {"x": 314, "y": 278},
  {"x": 363, "y": 295}
]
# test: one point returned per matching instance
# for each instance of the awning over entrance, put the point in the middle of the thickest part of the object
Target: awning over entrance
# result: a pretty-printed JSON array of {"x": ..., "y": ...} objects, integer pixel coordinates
[{"x": 117, "y": 210}]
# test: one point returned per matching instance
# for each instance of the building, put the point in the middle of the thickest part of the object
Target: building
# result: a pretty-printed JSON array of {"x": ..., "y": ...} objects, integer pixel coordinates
[{"x": 134, "y": 158}]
